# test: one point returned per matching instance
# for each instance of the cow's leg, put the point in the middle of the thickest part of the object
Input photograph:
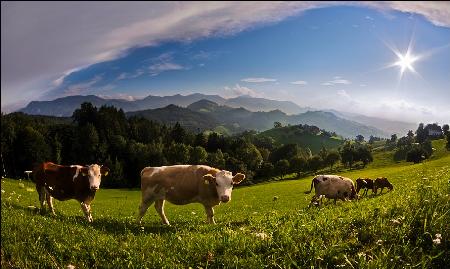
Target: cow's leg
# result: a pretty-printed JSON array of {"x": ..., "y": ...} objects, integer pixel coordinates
[
  {"x": 87, "y": 211},
  {"x": 143, "y": 208},
  {"x": 313, "y": 199},
  {"x": 159, "y": 206},
  {"x": 381, "y": 190},
  {"x": 210, "y": 214},
  {"x": 50, "y": 202},
  {"x": 41, "y": 192}
]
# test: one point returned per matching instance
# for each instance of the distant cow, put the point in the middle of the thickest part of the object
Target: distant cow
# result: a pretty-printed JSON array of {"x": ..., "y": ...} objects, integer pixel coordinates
[
  {"x": 364, "y": 183},
  {"x": 68, "y": 182},
  {"x": 185, "y": 184},
  {"x": 382, "y": 182},
  {"x": 332, "y": 187}
]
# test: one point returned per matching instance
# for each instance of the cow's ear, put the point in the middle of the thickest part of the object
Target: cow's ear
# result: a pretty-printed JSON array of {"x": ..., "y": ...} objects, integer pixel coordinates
[
  {"x": 238, "y": 178},
  {"x": 104, "y": 170},
  {"x": 209, "y": 178}
]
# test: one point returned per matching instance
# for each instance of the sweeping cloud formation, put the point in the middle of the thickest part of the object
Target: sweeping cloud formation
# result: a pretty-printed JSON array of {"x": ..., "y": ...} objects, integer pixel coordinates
[{"x": 43, "y": 42}]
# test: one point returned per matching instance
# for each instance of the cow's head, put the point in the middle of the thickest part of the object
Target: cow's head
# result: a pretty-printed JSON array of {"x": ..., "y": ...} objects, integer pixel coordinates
[
  {"x": 389, "y": 185},
  {"x": 94, "y": 172},
  {"x": 224, "y": 182}
]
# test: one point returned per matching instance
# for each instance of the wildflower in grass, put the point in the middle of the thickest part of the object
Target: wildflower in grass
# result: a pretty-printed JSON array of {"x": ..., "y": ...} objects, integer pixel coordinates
[
  {"x": 209, "y": 256},
  {"x": 70, "y": 266},
  {"x": 21, "y": 185},
  {"x": 30, "y": 190},
  {"x": 3, "y": 191},
  {"x": 437, "y": 240},
  {"x": 193, "y": 213},
  {"x": 263, "y": 236},
  {"x": 380, "y": 242}
]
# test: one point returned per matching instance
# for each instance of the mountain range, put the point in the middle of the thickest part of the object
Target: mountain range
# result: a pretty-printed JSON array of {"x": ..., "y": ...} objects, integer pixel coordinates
[
  {"x": 200, "y": 111},
  {"x": 208, "y": 115},
  {"x": 64, "y": 107}
]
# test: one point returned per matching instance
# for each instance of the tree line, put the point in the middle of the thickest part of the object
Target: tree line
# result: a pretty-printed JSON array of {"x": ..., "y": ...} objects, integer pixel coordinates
[
  {"x": 126, "y": 145},
  {"x": 416, "y": 146}
]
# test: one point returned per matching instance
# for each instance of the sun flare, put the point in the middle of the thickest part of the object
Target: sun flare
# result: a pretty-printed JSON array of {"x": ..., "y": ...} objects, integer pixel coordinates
[{"x": 406, "y": 62}]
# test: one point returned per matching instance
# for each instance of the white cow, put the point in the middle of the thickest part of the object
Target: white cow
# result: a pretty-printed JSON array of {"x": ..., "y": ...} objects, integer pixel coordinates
[
  {"x": 185, "y": 184},
  {"x": 332, "y": 187}
]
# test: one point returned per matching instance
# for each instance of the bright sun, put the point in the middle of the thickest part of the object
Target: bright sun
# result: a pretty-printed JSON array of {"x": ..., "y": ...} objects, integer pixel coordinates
[{"x": 406, "y": 61}]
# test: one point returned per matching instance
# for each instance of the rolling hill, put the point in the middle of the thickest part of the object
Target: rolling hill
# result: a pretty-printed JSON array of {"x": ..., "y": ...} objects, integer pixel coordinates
[
  {"x": 297, "y": 135},
  {"x": 243, "y": 119},
  {"x": 172, "y": 114}
]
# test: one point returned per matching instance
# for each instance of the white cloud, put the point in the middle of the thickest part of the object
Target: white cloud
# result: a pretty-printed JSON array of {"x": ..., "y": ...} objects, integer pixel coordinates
[
  {"x": 344, "y": 94},
  {"x": 81, "y": 88},
  {"x": 238, "y": 90},
  {"x": 122, "y": 96},
  {"x": 340, "y": 81},
  {"x": 394, "y": 109},
  {"x": 362, "y": 85},
  {"x": 336, "y": 80},
  {"x": 258, "y": 80},
  {"x": 299, "y": 82},
  {"x": 369, "y": 18},
  {"x": 135, "y": 74},
  {"x": 158, "y": 68},
  {"x": 437, "y": 12}
]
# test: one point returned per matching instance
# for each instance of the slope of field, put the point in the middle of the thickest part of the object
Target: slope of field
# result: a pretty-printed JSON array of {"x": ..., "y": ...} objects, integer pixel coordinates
[{"x": 266, "y": 225}]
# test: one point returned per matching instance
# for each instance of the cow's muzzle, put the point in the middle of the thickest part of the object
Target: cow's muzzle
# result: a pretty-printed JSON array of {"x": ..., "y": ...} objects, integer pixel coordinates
[
  {"x": 224, "y": 198},
  {"x": 94, "y": 188}
]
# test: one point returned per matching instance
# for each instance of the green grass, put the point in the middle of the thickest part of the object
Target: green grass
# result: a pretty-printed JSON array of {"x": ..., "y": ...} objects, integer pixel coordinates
[{"x": 255, "y": 230}]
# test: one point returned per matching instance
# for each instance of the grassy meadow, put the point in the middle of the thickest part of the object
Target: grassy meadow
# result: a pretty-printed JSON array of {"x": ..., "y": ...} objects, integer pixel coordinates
[{"x": 265, "y": 225}]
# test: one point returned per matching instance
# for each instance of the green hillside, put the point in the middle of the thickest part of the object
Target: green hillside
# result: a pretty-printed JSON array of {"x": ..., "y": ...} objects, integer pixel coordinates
[
  {"x": 296, "y": 135},
  {"x": 266, "y": 225}
]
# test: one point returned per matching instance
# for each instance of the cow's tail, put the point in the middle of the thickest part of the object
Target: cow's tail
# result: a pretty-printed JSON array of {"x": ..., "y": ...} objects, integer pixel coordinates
[{"x": 312, "y": 184}]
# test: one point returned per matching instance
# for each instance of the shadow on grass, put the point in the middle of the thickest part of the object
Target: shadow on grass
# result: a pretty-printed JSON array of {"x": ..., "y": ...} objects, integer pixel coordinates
[{"x": 104, "y": 224}]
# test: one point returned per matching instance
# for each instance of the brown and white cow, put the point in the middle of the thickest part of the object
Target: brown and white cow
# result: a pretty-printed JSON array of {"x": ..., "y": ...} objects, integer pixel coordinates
[
  {"x": 185, "y": 184},
  {"x": 68, "y": 182},
  {"x": 364, "y": 183},
  {"x": 382, "y": 182},
  {"x": 332, "y": 187}
]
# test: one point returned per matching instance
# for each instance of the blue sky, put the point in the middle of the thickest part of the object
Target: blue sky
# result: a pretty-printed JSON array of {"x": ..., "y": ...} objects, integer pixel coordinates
[{"x": 325, "y": 57}]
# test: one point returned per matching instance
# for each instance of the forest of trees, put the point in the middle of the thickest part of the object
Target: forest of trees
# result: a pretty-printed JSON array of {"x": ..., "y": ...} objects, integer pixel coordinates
[{"x": 126, "y": 145}]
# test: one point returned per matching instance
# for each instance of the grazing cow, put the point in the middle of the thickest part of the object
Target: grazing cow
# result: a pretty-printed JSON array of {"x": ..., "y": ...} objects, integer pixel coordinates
[
  {"x": 364, "y": 183},
  {"x": 382, "y": 182},
  {"x": 185, "y": 184},
  {"x": 332, "y": 187},
  {"x": 68, "y": 182}
]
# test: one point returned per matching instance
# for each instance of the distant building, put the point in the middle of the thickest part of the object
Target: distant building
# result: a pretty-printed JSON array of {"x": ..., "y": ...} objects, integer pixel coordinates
[
  {"x": 433, "y": 130},
  {"x": 434, "y": 133}
]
